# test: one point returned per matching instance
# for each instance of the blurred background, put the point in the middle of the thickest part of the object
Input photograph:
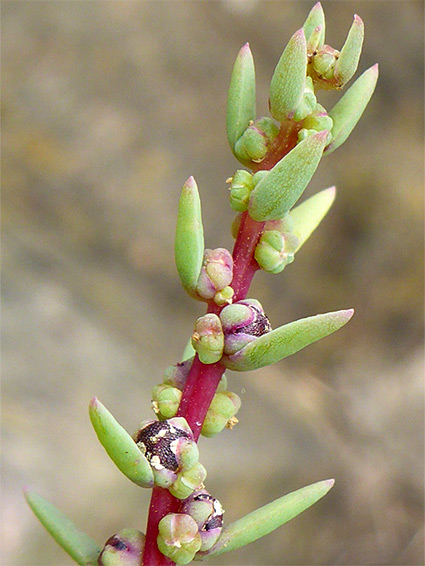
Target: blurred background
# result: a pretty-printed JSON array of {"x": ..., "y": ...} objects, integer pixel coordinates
[{"x": 107, "y": 108}]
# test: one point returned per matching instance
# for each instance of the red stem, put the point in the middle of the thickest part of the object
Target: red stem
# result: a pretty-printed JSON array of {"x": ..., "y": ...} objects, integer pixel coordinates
[{"x": 203, "y": 379}]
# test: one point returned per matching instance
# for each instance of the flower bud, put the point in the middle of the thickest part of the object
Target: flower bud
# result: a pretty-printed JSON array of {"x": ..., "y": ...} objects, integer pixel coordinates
[
  {"x": 188, "y": 480},
  {"x": 123, "y": 549},
  {"x": 224, "y": 297},
  {"x": 165, "y": 401},
  {"x": 221, "y": 413},
  {"x": 207, "y": 512},
  {"x": 317, "y": 121},
  {"x": 216, "y": 272},
  {"x": 208, "y": 338},
  {"x": 170, "y": 449},
  {"x": 177, "y": 375},
  {"x": 323, "y": 62},
  {"x": 241, "y": 185},
  {"x": 256, "y": 140},
  {"x": 275, "y": 250},
  {"x": 178, "y": 537},
  {"x": 243, "y": 322}
]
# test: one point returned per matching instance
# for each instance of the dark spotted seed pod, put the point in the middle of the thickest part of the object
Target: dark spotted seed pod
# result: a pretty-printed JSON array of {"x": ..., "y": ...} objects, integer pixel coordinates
[{"x": 158, "y": 442}]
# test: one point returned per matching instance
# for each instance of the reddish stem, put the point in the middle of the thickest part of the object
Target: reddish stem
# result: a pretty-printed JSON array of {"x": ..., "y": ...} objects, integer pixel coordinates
[{"x": 203, "y": 379}]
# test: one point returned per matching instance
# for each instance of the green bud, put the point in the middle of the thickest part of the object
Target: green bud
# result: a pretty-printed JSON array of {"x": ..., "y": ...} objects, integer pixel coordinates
[
  {"x": 123, "y": 549},
  {"x": 324, "y": 61},
  {"x": 258, "y": 176},
  {"x": 314, "y": 27},
  {"x": 308, "y": 102},
  {"x": 348, "y": 110},
  {"x": 120, "y": 446},
  {"x": 189, "y": 242},
  {"x": 165, "y": 401},
  {"x": 275, "y": 250},
  {"x": 224, "y": 297},
  {"x": 221, "y": 412},
  {"x": 178, "y": 537},
  {"x": 274, "y": 195},
  {"x": 216, "y": 272},
  {"x": 308, "y": 215},
  {"x": 208, "y": 338},
  {"x": 317, "y": 121},
  {"x": 347, "y": 62},
  {"x": 256, "y": 140},
  {"x": 241, "y": 97},
  {"x": 80, "y": 547},
  {"x": 286, "y": 340},
  {"x": 188, "y": 480},
  {"x": 288, "y": 81},
  {"x": 240, "y": 190}
]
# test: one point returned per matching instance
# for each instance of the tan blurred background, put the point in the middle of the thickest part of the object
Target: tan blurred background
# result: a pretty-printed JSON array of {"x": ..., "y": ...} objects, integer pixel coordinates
[{"x": 107, "y": 108}]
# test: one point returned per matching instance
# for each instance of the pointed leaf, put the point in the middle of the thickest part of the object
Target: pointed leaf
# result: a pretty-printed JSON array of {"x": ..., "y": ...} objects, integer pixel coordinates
[
  {"x": 348, "y": 110},
  {"x": 315, "y": 19},
  {"x": 277, "y": 192},
  {"x": 241, "y": 97},
  {"x": 286, "y": 340},
  {"x": 346, "y": 64},
  {"x": 288, "y": 81},
  {"x": 80, "y": 547},
  {"x": 119, "y": 445},
  {"x": 308, "y": 215},
  {"x": 266, "y": 519},
  {"x": 189, "y": 242}
]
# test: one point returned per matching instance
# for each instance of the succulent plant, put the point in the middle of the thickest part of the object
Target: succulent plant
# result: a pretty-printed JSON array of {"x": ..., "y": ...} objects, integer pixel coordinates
[{"x": 280, "y": 153}]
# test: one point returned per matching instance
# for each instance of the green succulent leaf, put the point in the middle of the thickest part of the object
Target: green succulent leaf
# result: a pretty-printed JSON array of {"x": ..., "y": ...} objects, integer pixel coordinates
[
  {"x": 346, "y": 64},
  {"x": 277, "y": 192},
  {"x": 308, "y": 215},
  {"x": 120, "y": 446},
  {"x": 189, "y": 242},
  {"x": 348, "y": 110},
  {"x": 80, "y": 547},
  {"x": 241, "y": 96},
  {"x": 286, "y": 340},
  {"x": 266, "y": 519},
  {"x": 288, "y": 81},
  {"x": 315, "y": 19}
]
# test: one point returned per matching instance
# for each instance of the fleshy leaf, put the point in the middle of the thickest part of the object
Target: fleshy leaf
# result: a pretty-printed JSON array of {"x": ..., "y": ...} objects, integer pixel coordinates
[
  {"x": 276, "y": 193},
  {"x": 241, "y": 96},
  {"x": 119, "y": 445},
  {"x": 266, "y": 519},
  {"x": 286, "y": 340},
  {"x": 347, "y": 62},
  {"x": 315, "y": 19},
  {"x": 189, "y": 242},
  {"x": 80, "y": 547},
  {"x": 288, "y": 81},
  {"x": 308, "y": 215},
  {"x": 348, "y": 110}
]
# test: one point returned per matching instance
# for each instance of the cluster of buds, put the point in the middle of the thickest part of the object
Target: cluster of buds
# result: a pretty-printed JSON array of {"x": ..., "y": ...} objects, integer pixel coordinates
[
  {"x": 277, "y": 245},
  {"x": 195, "y": 529},
  {"x": 166, "y": 399},
  {"x": 215, "y": 276},
  {"x": 173, "y": 454}
]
